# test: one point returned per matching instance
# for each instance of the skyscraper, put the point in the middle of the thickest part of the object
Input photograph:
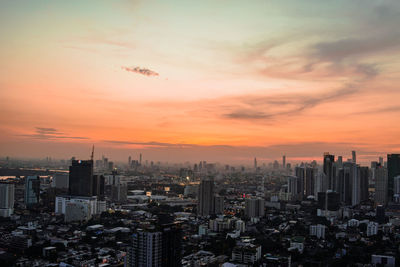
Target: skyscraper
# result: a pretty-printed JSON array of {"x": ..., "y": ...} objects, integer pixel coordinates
[
  {"x": 381, "y": 185},
  {"x": 329, "y": 170},
  {"x": 310, "y": 180},
  {"x": 205, "y": 205},
  {"x": 353, "y": 156},
  {"x": 393, "y": 169},
  {"x": 255, "y": 164},
  {"x": 81, "y": 181},
  {"x": 364, "y": 183},
  {"x": 6, "y": 199},
  {"x": 146, "y": 249},
  {"x": 283, "y": 161},
  {"x": 32, "y": 190},
  {"x": 300, "y": 174}
]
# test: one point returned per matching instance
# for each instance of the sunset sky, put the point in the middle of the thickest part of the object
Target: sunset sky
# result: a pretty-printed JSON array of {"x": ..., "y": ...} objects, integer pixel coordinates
[{"x": 213, "y": 80}]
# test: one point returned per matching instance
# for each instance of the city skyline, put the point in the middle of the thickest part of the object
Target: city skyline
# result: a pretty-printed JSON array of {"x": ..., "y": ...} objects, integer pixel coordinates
[{"x": 227, "y": 82}]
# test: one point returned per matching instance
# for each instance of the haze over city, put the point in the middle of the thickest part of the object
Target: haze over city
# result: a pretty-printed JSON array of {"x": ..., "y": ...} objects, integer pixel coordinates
[{"x": 177, "y": 81}]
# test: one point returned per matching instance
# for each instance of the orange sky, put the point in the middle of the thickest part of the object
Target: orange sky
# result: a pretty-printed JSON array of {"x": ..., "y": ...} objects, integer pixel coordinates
[{"x": 207, "y": 80}]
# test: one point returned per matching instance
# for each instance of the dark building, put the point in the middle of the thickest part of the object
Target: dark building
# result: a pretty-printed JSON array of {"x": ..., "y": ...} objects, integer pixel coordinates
[
  {"x": 364, "y": 174},
  {"x": 98, "y": 185},
  {"x": 393, "y": 165},
  {"x": 300, "y": 174},
  {"x": 311, "y": 174},
  {"x": 171, "y": 245},
  {"x": 81, "y": 180},
  {"x": 205, "y": 205},
  {"x": 329, "y": 170},
  {"x": 380, "y": 214},
  {"x": 329, "y": 200}
]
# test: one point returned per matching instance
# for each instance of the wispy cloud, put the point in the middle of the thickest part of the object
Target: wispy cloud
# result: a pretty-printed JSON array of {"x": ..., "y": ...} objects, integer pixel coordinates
[
  {"x": 51, "y": 133},
  {"x": 143, "y": 71},
  {"x": 149, "y": 144}
]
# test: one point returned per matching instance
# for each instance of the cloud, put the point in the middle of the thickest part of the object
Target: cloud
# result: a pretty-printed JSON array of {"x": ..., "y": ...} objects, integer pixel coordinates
[
  {"x": 139, "y": 70},
  {"x": 149, "y": 144},
  {"x": 51, "y": 133}
]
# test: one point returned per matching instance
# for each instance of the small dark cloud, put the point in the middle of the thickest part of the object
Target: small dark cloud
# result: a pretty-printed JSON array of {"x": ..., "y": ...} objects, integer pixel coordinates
[
  {"x": 51, "y": 133},
  {"x": 140, "y": 70},
  {"x": 378, "y": 110},
  {"x": 150, "y": 144}
]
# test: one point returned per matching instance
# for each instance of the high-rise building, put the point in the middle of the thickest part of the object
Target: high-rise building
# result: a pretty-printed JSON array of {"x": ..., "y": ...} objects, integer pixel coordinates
[
  {"x": 205, "y": 205},
  {"x": 255, "y": 164},
  {"x": 310, "y": 180},
  {"x": 32, "y": 190},
  {"x": 254, "y": 207},
  {"x": 353, "y": 156},
  {"x": 364, "y": 183},
  {"x": 397, "y": 186},
  {"x": 6, "y": 199},
  {"x": 381, "y": 185},
  {"x": 329, "y": 200},
  {"x": 81, "y": 181},
  {"x": 393, "y": 169},
  {"x": 293, "y": 187},
  {"x": 156, "y": 246},
  {"x": 300, "y": 174},
  {"x": 219, "y": 205},
  {"x": 329, "y": 170},
  {"x": 283, "y": 161}
]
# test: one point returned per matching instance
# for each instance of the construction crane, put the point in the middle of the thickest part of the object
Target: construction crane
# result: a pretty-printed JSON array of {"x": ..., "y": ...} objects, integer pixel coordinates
[{"x": 91, "y": 157}]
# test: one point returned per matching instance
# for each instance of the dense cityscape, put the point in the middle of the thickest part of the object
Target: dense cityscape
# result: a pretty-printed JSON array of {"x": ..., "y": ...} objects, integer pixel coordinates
[{"x": 87, "y": 212}]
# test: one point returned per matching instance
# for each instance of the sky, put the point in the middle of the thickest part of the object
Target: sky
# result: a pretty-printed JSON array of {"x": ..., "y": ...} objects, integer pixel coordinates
[{"x": 213, "y": 80}]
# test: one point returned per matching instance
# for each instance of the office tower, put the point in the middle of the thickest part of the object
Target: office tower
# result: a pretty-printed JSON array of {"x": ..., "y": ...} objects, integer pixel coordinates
[
  {"x": 6, "y": 199},
  {"x": 219, "y": 205},
  {"x": 254, "y": 207},
  {"x": 293, "y": 187},
  {"x": 380, "y": 214},
  {"x": 310, "y": 180},
  {"x": 353, "y": 156},
  {"x": 32, "y": 190},
  {"x": 255, "y": 163},
  {"x": 129, "y": 161},
  {"x": 339, "y": 161},
  {"x": 381, "y": 185},
  {"x": 381, "y": 161},
  {"x": 81, "y": 181},
  {"x": 140, "y": 159},
  {"x": 329, "y": 170},
  {"x": 205, "y": 205},
  {"x": 356, "y": 186},
  {"x": 284, "y": 161},
  {"x": 397, "y": 185},
  {"x": 300, "y": 173},
  {"x": 364, "y": 184},
  {"x": 329, "y": 200},
  {"x": 393, "y": 169}
]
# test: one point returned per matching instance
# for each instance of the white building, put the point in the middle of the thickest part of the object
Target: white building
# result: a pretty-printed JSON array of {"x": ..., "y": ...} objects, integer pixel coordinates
[
  {"x": 318, "y": 230},
  {"x": 372, "y": 228},
  {"x": 247, "y": 253},
  {"x": 85, "y": 204},
  {"x": 6, "y": 199}
]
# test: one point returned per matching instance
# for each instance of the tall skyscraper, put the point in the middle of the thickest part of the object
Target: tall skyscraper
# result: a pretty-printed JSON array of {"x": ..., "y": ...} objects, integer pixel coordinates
[
  {"x": 6, "y": 199},
  {"x": 205, "y": 205},
  {"x": 393, "y": 169},
  {"x": 381, "y": 185},
  {"x": 353, "y": 156},
  {"x": 81, "y": 181},
  {"x": 255, "y": 164},
  {"x": 300, "y": 174},
  {"x": 364, "y": 183},
  {"x": 310, "y": 180},
  {"x": 283, "y": 161},
  {"x": 140, "y": 159},
  {"x": 329, "y": 170},
  {"x": 171, "y": 245},
  {"x": 32, "y": 190}
]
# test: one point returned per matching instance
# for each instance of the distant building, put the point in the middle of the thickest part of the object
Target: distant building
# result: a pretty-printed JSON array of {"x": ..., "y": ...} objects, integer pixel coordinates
[
  {"x": 380, "y": 214},
  {"x": 246, "y": 254},
  {"x": 318, "y": 231},
  {"x": 6, "y": 199},
  {"x": 381, "y": 186},
  {"x": 329, "y": 170},
  {"x": 254, "y": 207},
  {"x": 393, "y": 169},
  {"x": 205, "y": 205},
  {"x": 364, "y": 183},
  {"x": 219, "y": 205},
  {"x": 329, "y": 200},
  {"x": 32, "y": 190},
  {"x": 60, "y": 181},
  {"x": 81, "y": 207},
  {"x": 81, "y": 180}
]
